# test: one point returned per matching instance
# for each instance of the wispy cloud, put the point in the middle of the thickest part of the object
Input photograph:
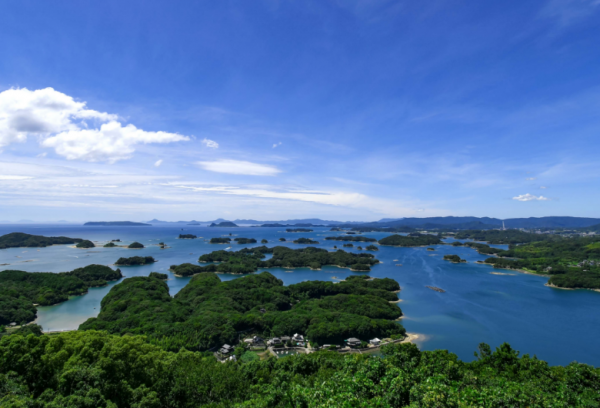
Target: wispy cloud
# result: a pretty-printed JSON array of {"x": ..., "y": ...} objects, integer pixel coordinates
[
  {"x": 530, "y": 197},
  {"x": 158, "y": 163},
  {"x": 210, "y": 143},
  {"x": 276, "y": 145},
  {"x": 239, "y": 167},
  {"x": 567, "y": 12}
]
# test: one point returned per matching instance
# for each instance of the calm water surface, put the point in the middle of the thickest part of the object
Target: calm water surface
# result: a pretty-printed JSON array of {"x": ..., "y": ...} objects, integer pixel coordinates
[{"x": 558, "y": 326}]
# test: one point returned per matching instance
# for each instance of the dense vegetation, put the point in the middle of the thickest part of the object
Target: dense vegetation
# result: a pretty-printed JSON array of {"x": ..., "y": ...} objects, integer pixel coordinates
[
  {"x": 220, "y": 240},
  {"x": 85, "y": 244},
  {"x": 135, "y": 245},
  {"x": 412, "y": 241},
  {"x": 571, "y": 262},
  {"x": 99, "y": 370},
  {"x": 245, "y": 240},
  {"x": 372, "y": 248},
  {"x": 187, "y": 236},
  {"x": 158, "y": 275},
  {"x": 226, "y": 224},
  {"x": 383, "y": 229},
  {"x": 135, "y": 260},
  {"x": 264, "y": 241},
  {"x": 207, "y": 312},
  {"x": 20, "y": 239},
  {"x": 20, "y": 290},
  {"x": 511, "y": 236},
  {"x": 250, "y": 259},
  {"x": 109, "y": 245},
  {"x": 282, "y": 239},
  {"x": 306, "y": 241},
  {"x": 353, "y": 239},
  {"x": 298, "y": 230},
  {"x": 454, "y": 258}
]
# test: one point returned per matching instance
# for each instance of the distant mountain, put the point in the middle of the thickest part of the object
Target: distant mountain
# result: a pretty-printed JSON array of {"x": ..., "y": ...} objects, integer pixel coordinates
[
  {"x": 117, "y": 224},
  {"x": 228, "y": 224}
]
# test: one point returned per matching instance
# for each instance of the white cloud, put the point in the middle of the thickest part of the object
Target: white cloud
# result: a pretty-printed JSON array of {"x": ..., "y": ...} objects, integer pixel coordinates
[
  {"x": 110, "y": 143},
  {"x": 530, "y": 178},
  {"x": 277, "y": 144},
  {"x": 543, "y": 187},
  {"x": 69, "y": 127},
  {"x": 239, "y": 167},
  {"x": 210, "y": 143},
  {"x": 530, "y": 197},
  {"x": 158, "y": 163},
  {"x": 5, "y": 177},
  {"x": 566, "y": 12}
]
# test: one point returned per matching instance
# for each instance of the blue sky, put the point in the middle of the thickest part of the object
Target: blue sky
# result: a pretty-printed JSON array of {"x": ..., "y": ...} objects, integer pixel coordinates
[{"x": 266, "y": 109}]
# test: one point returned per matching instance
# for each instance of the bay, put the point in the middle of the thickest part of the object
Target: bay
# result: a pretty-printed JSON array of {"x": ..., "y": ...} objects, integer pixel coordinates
[{"x": 558, "y": 326}]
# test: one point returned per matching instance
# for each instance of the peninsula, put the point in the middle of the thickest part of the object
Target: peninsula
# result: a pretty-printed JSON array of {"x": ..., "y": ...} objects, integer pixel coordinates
[{"x": 20, "y": 239}]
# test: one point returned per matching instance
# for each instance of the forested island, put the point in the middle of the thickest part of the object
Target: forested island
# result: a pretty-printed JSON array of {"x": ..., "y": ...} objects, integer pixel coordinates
[
  {"x": 135, "y": 245},
  {"x": 117, "y": 224},
  {"x": 410, "y": 241},
  {"x": 85, "y": 244},
  {"x": 208, "y": 313},
  {"x": 570, "y": 262},
  {"x": 372, "y": 248},
  {"x": 454, "y": 259},
  {"x": 187, "y": 236},
  {"x": 109, "y": 245},
  {"x": 20, "y": 291},
  {"x": 226, "y": 224},
  {"x": 306, "y": 241},
  {"x": 511, "y": 236},
  {"x": 245, "y": 240},
  {"x": 20, "y": 239},
  {"x": 298, "y": 230},
  {"x": 158, "y": 275},
  {"x": 351, "y": 238},
  {"x": 220, "y": 240},
  {"x": 249, "y": 260},
  {"x": 135, "y": 260}
]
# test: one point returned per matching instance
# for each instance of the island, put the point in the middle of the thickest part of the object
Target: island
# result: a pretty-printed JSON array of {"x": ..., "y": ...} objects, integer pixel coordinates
[
  {"x": 20, "y": 239},
  {"x": 351, "y": 238},
  {"x": 372, "y": 248},
  {"x": 135, "y": 260},
  {"x": 298, "y": 230},
  {"x": 187, "y": 236},
  {"x": 264, "y": 241},
  {"x": 248, "y": 260},
  {"x": 117, "y": 224},
  {"x": 454, "y": 259},
  {"x": 431, "y": 249},
  {"x": 21, "y": 292},
  {"x": 109, "y": 245},
  {"x": 306, "y": 241},
  {"x": 85, "y": 244},
  {"x": 281, "y": 239},
  {"x": 244, "y": 241},
  {"x": 349, "y": 245},
  {"x": 412, "y": 241},
  {"x": 135, "y": 245},
  {"x": 220, "y": 240},
  {"x": 158, "y": 275},
  {"x": 325, "y": 312},
  {"x": 226, "y": 224}
]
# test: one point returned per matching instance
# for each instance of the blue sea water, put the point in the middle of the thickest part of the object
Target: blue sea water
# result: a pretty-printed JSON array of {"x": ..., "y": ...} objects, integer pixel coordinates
[{"x": 558, "y": 326}]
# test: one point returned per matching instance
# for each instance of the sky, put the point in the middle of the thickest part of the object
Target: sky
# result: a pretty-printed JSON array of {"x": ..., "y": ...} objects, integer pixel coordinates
[{"x": 270, "y": 109}]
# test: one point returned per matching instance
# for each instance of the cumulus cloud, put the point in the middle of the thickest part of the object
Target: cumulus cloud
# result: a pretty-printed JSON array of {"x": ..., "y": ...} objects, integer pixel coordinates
[
  {"x": 158, "y": 163},
  {"x": 69, "y": 127},
  {"x": 210, "y": 143},
  {"x": 239, "y": 167},
  {"x": 110, "y": 143},
  {"x": 530, "y": 197}
]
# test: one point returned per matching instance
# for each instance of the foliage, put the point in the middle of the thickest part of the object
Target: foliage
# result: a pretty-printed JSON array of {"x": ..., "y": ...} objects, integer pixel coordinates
[
  {"x": 109, "y": 245},
  {"x": 282, "y": 239},
  {"x": 404, "y": 241},
  {"x": 510, "y": 236},
  {"x": 207, "y": 312},
  {"x": 20, "y": 239},
  {"x": 19, "y": 290},
  {"x": 135, "y": 260},
  {"x": 245, "y": 240},
  {"x": 85, "y": 244},
  {"x": 220, "y": 240},
  {"x": 307, "y": 241},
  {"x": 264, "y": 241},
  {"x": 135, "y": 245},
  {"x": 187, "y": 236},
  {"x": 96, "y": 369},
  {"x": 372, "y": 248},
  {"x": 453, "y": 258},
  {"x": 298, "y": 230},
  {"x": 158, "y": 275}
]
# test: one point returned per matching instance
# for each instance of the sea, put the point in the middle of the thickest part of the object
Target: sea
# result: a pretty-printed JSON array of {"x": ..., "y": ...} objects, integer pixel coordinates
[{"x": 479, "y": 304}]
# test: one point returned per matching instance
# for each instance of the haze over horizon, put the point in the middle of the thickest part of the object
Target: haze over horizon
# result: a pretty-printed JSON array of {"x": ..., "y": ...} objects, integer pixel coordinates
[{"x": 350, "y": 111}]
